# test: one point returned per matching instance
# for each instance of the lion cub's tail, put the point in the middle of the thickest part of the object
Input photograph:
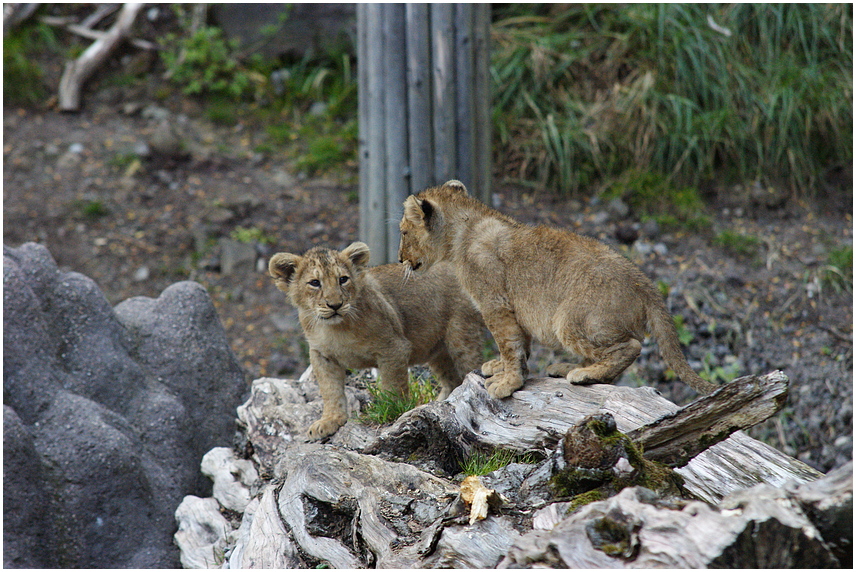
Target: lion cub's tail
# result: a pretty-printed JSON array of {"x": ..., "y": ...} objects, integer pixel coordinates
[{"x": 662, "y": 327}]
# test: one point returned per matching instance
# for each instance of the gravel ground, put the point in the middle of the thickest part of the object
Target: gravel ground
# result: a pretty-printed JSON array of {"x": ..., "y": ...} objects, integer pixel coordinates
[{"x": 139, "y": 195}]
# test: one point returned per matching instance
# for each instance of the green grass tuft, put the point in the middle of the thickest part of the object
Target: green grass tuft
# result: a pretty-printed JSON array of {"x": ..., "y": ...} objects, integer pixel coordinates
[
  {"x": 737, "y": 243},
  {"x": 586, "y": 92},
  {"x": 480, "y": 463},
  {"x": 386, "y": 406}
]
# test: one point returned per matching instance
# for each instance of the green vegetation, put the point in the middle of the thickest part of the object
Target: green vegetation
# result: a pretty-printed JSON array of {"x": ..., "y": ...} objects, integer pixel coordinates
[
  {"x": 718, "y": 374},
  {"x": 838, "y": 270},
  {"x": 587, "y": 92},
  {"x": 22, "y": 76},
  {"x": 123, "y": 160},
  {"x": 480, "y": 463},
  {"x": 203, "y": 64},
  {"x": 653, "y": 196},
  {"x": 386, "y": 406},
  {"x": 92, "y": 210},
  {"x": 685, "y": 336},
  {"x": 306, "y": 107},
  {"x": 738, "y": 244},
  {"x": 585, "y": 484},
  {"x": 252, "y": 234}
]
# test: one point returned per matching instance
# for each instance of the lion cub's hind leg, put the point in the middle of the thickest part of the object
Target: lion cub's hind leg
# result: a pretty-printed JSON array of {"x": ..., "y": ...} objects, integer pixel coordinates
[
  {"x": 605, "y": 363},
  {"x": 443, "y": 368},
  {"x": 559, "y": 369},
  {"x": 461, "y": 355}
]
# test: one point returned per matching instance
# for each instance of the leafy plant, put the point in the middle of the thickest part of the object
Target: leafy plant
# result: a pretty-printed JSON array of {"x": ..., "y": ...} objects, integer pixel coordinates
[
  {"x": 685, "y": 336},
  {"x": 386, "y": 406},
  {"x": 202, "y": 63},
  {"x": 718, "y": 374}
]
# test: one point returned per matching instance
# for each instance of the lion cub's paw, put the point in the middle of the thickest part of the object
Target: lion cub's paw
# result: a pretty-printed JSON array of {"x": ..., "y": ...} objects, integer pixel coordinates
[
  {"x": 492, "y": 367},
  {"x": 583, "y": 376},
  {"x": 325, "y": 427},
  {"x": 559, "y": 369},
  {"x": 501, "y": 386}
]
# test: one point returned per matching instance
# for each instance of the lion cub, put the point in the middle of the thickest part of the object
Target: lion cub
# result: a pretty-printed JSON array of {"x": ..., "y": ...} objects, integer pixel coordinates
[
  {"x": 355, "y": 317},
  {"x": 560, "y": 288}
]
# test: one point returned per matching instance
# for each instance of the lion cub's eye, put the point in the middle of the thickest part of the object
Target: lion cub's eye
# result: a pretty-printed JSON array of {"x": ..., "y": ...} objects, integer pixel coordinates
[
  {"x": 315, "y": 283},
  {"x": 343, "y": 280}
]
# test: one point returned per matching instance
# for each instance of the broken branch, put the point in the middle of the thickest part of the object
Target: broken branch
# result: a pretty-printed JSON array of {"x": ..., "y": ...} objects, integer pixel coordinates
[
  {"x": 676, "y": 438},
  {"x": 78, "y": 71}
]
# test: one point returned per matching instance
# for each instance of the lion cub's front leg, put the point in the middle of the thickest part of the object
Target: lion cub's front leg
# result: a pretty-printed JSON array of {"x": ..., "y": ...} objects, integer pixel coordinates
[
  {"x": 331, "y": 384},
  {"x": 507, "y": 373}
]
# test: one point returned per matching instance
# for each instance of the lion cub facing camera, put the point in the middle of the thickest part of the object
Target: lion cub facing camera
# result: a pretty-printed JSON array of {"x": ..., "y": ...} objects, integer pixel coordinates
[
  {"x": 356, "y": 317},
  {"x": 565, "y": 290}
]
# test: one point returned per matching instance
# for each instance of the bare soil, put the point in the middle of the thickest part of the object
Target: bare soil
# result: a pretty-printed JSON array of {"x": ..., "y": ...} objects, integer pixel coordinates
[{"x": 112, "y": 197}]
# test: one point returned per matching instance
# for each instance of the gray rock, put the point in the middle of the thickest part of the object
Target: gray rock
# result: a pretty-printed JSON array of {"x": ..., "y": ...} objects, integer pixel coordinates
[{"x": 108, "y": 414}]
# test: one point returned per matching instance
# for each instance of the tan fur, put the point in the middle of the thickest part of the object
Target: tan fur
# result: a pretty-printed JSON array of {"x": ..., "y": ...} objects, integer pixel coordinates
[
  {"x": 562, "y": 289},
  {"x": 356, "y": 317}
]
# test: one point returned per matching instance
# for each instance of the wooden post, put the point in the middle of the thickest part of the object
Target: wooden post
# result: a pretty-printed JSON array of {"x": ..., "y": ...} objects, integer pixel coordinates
[{"x": 424, "y": 106}]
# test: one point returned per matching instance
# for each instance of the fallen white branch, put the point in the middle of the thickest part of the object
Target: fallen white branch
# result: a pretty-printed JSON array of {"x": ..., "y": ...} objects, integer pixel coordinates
[{"x": 78, "y": 71}]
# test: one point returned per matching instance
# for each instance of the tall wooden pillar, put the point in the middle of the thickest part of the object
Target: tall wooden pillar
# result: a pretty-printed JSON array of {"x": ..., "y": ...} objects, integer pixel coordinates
[{"x": 424, "y": 107}]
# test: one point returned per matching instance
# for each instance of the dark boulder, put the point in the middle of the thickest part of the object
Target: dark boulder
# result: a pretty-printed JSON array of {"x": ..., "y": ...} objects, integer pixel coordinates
[{"x": 108, "y": 414}]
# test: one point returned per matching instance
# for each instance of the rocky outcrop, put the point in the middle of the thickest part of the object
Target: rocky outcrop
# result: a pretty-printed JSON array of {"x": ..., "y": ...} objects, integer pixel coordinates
[
  {"x": 394, "y": 497},
  {"x": 107, "y": 415}
]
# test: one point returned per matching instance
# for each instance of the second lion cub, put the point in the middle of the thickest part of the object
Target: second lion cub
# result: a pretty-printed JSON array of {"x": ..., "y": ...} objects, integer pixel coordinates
[
  {"x": 356, "y": 317},
  {"x": 562, "y": 289}
]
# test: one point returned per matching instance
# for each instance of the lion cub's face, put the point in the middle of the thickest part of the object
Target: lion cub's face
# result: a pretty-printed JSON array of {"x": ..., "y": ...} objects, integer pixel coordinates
[
  {"x": 422, "y": 227},
  {"x": 323, "y": 284},
  {"x": 414, "y": 250}
]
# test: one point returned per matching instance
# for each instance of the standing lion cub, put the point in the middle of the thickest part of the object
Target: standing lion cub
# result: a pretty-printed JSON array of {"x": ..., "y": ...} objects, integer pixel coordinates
[
  {"x": 560, "y": 288},
  {"x": 355, "y": 317}
]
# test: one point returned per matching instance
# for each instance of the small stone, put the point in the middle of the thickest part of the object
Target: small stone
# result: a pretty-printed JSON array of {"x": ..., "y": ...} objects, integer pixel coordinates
[{"x": 142, "y": 274}]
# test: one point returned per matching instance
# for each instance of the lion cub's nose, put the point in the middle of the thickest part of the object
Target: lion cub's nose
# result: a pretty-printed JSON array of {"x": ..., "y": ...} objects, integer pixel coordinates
[{"x": 334, "y": 307}]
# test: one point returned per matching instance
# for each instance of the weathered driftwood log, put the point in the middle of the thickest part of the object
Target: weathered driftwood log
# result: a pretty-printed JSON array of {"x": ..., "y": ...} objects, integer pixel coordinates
[
  {"x": 78, "y": 71},
  {"x": 355, "y": 511},
  {"x": 535, "y": 417},
  {"x": 335, "y": 504},
  {"x": 763, "y": 527},
  {"x": 677, "y": 437}
]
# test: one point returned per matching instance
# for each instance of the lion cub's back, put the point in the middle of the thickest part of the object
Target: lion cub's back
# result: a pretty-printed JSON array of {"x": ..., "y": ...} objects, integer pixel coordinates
[{"x": 426, "y": 298}]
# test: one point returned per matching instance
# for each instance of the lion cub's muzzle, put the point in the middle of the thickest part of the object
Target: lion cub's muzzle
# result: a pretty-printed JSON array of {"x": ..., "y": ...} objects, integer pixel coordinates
[{"x": 334, "y": 311}]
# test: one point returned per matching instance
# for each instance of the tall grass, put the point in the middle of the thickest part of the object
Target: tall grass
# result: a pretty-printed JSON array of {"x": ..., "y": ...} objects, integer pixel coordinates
[{"x": 585, "y": 94}]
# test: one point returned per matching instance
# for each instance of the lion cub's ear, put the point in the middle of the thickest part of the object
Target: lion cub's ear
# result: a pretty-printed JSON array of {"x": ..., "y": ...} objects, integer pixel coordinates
[
  {"x": 358, "y": 253},
  {"x": 418, "y": 211},
  {"x": 282, "y": 266},
  {"x": 455, "y": 186}
]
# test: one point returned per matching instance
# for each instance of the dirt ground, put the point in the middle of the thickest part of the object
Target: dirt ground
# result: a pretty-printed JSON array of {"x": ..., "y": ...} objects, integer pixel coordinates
[{"x": 137, "y": 195}]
